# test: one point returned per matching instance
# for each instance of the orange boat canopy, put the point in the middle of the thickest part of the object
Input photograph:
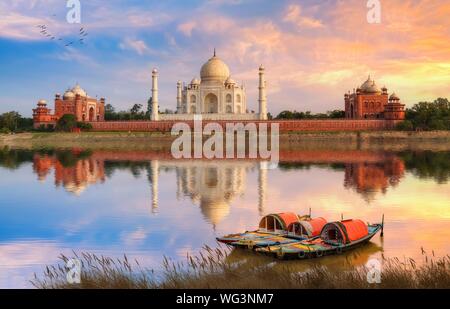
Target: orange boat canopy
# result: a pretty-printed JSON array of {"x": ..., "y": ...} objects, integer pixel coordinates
[
  {"x": 277, "y": 222},
  {"x": 307, "y": 227},
  {"x": 344, "y": 232}
]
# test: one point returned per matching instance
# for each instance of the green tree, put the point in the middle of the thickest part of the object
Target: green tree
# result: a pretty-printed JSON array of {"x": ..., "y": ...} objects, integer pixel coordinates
[
  {"x": 336, "y": 114},
  {"x": 136, "y": 109},
  {"x": 10, "y": 120},
  {"x": 66, "y": 123},
  {"x": 405, "y": 126},
  {"x": 110, "y": 113},
  {"x": 430, "y": 115}
]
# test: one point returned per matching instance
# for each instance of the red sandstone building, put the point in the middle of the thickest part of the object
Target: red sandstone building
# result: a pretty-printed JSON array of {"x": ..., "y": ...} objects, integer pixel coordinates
[
  {"x": 370, "y": 102},
  {"x": 76, "y": 102}
]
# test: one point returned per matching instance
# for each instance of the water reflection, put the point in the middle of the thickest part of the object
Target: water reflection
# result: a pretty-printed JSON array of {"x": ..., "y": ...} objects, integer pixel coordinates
[
  {"x": 147, "y": 205},
  {"x": 75, "y": 176},
  {"x": 210, "y": 185}
]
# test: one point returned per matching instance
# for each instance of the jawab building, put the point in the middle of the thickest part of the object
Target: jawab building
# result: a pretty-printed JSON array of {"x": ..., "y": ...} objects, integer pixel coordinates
[
  {"x": 370, "y": 102},
  {"x": 75, "y": 102}
]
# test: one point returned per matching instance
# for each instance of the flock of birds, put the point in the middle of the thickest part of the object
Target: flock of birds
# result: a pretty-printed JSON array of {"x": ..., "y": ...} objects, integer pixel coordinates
[{"x": 82, "y": 35}]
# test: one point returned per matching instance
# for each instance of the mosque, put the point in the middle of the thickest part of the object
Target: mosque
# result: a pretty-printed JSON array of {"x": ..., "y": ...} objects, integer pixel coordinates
[
  {"x": 74, "y": 101},
  {"x": 370, "y": 102}
]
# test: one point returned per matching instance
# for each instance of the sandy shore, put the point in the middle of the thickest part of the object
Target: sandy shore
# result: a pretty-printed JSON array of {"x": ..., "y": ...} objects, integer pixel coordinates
[{"x": 392, "y": 140}]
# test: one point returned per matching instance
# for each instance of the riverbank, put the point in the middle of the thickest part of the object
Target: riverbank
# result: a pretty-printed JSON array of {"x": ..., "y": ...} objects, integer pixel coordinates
[
  {"x": 212, "y": 269},
  {"x": 433, "y": 140}
]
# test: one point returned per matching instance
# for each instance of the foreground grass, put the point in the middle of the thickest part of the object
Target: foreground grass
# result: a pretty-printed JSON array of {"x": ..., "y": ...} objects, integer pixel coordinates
[{"x": 212, "y": 269}]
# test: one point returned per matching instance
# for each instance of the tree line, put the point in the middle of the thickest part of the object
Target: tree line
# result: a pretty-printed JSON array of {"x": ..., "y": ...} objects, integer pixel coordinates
[
  {"x": 136, "y": 112},
  {"x": 426, "y": 116},
  {"x": 288, "y": 115},
  {"x": 14, "y": 122}
]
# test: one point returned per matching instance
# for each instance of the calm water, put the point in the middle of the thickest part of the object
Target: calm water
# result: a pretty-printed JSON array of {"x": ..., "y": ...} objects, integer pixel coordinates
[{"x": 146, "y": 205}]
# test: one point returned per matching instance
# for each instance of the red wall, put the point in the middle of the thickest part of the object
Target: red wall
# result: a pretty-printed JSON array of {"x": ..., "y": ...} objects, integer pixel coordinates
[{"x": 285, "y": 126}]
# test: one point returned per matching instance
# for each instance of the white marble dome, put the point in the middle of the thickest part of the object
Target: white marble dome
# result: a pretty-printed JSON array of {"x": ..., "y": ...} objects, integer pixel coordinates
[
  {"x": 195, "y": 81},
  {"x": 230, "y": 81},
  {"x": 68, "y": 95},
  {"x": 78, "y": 90},
  {"x": 394, "y": 97},
  {"x": 370, "y": 86},
  {"x": 214, "y": 70}
]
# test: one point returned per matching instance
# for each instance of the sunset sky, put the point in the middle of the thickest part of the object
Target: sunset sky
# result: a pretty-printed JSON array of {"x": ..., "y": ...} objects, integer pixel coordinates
[{"x": 313, "y": 51}]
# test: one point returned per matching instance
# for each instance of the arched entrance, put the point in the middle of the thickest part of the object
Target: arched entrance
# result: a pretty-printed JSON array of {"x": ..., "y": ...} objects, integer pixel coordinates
[
  {"x": 351, "y": 111},
  {"x": 211, "y": 104},
  {"x": 91, "y": 114}
]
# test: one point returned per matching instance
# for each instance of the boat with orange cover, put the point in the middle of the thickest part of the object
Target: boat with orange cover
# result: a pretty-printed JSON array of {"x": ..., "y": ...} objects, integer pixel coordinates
[
  {"x": 335, "y": 238},
  {"x": 277, "y": 229}
]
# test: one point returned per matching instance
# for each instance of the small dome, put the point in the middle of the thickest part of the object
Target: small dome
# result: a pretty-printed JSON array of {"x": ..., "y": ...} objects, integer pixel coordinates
[
  {"x": 195, "y": 81},
  {"x": 78, "y": 90},
  {"x": 42, "y": 102},
  {"x": 370, "y": 86},
  {"x": 155, "y": 71},
  {"x": 394, "y": 97},
  {"x": 230, "y": 81},
  {"x": 68, "y": 95},
  {"x": 214, "y": 70}
]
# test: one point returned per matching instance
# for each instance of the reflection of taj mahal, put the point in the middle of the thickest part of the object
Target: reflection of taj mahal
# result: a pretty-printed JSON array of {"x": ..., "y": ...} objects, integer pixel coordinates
[{"x": 211, "y": 185}]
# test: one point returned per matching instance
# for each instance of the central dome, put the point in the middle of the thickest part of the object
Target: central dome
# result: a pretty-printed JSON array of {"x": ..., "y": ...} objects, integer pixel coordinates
[
  {"x": 78, "y": 90},
  {"x": 214, "y": 70},
  {"x": 370, "y": 86}
]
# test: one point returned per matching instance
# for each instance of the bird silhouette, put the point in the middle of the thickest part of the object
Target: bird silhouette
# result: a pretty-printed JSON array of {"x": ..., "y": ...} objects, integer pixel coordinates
[{"x": 44, "y": 31}]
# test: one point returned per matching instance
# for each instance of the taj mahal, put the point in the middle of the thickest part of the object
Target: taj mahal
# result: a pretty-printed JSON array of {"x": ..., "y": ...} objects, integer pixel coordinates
[{"x": 216, "y": 96}]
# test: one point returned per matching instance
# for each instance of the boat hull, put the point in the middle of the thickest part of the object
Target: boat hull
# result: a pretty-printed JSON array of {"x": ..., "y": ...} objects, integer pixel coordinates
[{"x": 315, "y": 248}]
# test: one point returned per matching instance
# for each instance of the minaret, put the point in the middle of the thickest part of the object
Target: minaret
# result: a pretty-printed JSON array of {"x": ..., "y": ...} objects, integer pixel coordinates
[
  {"x": 179, "y": 111},
  {"x": 262, "y": 186},
  {"x": 155, "y": 180},
  {"x": 155, "y": 114},
  {"x": 262, "y": 100}
]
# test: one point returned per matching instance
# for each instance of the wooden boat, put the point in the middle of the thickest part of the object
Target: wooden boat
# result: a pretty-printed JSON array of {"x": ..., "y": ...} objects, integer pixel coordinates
[
  {"x": 335, "y": 238},
  {"x": 276, "y": 229}
]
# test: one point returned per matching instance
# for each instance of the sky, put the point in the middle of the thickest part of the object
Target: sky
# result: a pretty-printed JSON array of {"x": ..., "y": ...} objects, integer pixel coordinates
[{"x": 313, "y": 51}]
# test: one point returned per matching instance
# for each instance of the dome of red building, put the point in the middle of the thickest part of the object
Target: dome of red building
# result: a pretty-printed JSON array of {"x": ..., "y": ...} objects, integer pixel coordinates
[
  {"x": 370, "y": 86},
  {"x": 394, "y": 97},
  {"x": 68, "y": 95},
  {"x": 78, "y": 90}
]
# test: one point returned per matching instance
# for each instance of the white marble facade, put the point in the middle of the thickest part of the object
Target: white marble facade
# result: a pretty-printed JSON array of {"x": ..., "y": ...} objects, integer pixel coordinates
[{"x": 216, "y": 96}]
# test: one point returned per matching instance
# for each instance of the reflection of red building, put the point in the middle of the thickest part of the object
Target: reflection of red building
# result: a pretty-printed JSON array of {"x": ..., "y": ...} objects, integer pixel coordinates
[
  {"x": 74, "y": 178},
  {"x": 371, "y": 102},
  {"x": 369, "y": 178},
  {"x": 76, "y": 102}
]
